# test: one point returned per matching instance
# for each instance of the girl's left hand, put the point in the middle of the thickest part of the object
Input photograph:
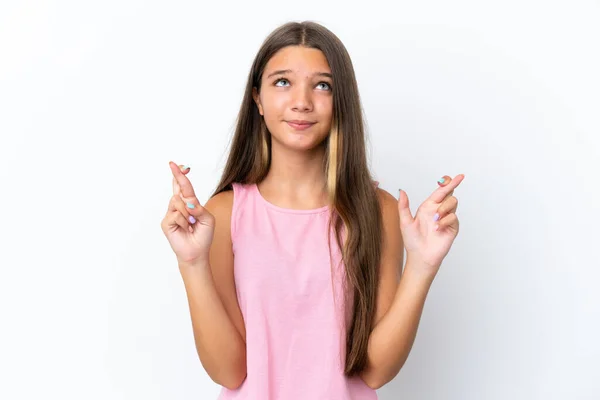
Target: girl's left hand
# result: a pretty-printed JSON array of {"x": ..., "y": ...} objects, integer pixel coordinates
[{"x": 429, "y": 235}]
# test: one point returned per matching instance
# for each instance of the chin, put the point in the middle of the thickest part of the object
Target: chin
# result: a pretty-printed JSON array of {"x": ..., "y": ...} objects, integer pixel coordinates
[
  {"x": 306, "y": 145},
  {"x": 297, "y": 142}
]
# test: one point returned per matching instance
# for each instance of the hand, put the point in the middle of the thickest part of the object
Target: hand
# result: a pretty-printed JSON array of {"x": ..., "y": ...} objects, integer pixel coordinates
[
  {"x": 427, "y": 239},
  {"x": 188, "y": 226}
]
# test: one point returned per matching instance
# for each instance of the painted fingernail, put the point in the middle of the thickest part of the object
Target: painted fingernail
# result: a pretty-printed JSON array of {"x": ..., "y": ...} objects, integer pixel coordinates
[
  {"x": 190, "y": 205},
  {"x": 186, "y": 167},
  {"x": 192, "y": 219},
  {"x": 441, "y": 180},
  {"x": 436, "y": 217}
]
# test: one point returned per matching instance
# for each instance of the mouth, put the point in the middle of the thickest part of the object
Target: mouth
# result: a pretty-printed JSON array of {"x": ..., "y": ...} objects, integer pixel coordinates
[{"x": 300, "y": 125}]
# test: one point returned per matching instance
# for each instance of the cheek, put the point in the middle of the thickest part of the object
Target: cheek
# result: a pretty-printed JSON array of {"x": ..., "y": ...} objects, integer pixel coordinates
[
  {"x": 326, "y": 111},
  {"x": 273, "y": 111},
  {"x": 325, "y": 105}
]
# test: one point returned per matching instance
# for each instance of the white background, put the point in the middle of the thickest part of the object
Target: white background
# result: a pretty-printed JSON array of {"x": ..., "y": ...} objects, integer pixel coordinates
[{"x": 97, "y": 97}]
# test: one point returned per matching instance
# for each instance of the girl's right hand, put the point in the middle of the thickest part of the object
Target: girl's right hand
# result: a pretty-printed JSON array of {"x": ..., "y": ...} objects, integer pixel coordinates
[{"x": 188, "y": 226}]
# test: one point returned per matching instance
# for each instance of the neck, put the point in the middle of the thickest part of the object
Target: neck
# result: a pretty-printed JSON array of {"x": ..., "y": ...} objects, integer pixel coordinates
[{"x": 296, "y": 177}]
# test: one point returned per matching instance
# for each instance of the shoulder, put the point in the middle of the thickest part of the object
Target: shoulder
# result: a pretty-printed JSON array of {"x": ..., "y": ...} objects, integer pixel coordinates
[
  {"x": 390, "y": 216},
  {"x": 386, "y": 200},
  {"x": 221, "y": 205},
  {"x": 388, "y": 203},
  {"x": 220, "y": 201}
]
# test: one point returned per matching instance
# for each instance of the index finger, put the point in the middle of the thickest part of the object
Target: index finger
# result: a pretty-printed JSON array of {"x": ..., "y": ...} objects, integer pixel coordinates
[
  {"x": 184, "y": 183},
  {"x": 184, "y": 169},
  {"x": 440, "y": 193}
]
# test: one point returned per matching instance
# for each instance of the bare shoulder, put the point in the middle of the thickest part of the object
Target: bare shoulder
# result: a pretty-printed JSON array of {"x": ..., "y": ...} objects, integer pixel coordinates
[
  {"x": 388, "y": 203},
  {"x": 220, "y": 206},
  {"x": 389, "y": 215},
  {"x": 220, "y": 201}
]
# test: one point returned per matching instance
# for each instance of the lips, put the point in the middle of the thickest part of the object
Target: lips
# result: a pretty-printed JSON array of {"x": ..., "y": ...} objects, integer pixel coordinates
[{"x": 300, "y": 125}]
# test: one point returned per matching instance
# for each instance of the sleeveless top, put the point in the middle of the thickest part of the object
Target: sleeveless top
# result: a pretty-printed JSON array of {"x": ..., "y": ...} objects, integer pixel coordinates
[{"x": 291, "y": 297}]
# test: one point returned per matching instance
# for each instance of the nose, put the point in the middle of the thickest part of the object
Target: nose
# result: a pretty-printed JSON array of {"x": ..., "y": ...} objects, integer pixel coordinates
[{"x": 302, "y": 100}]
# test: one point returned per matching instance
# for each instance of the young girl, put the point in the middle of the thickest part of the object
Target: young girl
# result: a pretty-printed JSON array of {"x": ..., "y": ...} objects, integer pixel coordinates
[{"x": 292, "y": 268}]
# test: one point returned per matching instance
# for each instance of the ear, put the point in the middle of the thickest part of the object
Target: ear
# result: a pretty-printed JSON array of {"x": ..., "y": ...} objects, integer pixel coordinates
[{"x": 256, "y": 98}]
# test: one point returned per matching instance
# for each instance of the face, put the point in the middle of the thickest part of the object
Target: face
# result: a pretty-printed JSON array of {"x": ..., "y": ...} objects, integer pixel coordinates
[{"x": 296, "y": 98}]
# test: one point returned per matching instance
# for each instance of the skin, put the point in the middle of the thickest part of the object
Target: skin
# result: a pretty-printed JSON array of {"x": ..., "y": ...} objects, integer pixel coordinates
[
  {"x": 296, "y": 180},
  {"x": 430, "y": 234}
]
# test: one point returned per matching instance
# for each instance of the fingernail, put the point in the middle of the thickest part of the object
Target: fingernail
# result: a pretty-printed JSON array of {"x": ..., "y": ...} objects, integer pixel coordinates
[
  {"x": 441, "y": 180},
  {"x": 437, "y": 227},
  {"x": 436, "y": 217},
  {"x": 190, "y": 205},
  {"x": 186, "y": 167},
  {"x": 192, "y": 219}
]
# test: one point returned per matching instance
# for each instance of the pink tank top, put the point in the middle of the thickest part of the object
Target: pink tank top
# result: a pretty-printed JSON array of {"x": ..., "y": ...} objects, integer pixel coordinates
[{"x": 292, "y": 302}]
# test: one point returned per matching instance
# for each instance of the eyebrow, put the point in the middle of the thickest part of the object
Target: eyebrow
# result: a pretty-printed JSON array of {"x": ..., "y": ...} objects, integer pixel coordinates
[{"x": 287, "y": 71}]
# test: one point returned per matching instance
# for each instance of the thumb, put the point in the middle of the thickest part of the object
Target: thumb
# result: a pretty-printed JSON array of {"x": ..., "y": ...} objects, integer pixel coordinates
[{"x": 404, "y": 209}]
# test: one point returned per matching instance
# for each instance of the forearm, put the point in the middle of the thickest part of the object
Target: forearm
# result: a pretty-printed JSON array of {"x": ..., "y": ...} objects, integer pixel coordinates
[
  {"x": 392, "y": 338},
  {"x": 220, "y": 346}
]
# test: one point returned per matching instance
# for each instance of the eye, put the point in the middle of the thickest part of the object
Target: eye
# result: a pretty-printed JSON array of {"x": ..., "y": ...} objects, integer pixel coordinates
[{"x": 326, "y": 84}]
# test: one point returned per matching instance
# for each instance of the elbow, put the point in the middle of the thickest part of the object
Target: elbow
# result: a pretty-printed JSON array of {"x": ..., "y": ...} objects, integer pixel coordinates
[
  {"x": 371, "y": 379},
  {"x": 375, "y": 379},
  {"x": 374, "y": 383},
  {"x": 233, "y": 375},
  {"x": 231, "y": 381}
]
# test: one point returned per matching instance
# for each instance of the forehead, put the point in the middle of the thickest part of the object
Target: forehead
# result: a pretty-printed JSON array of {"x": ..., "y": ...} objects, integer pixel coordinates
[{"x": 298, "y": 59}]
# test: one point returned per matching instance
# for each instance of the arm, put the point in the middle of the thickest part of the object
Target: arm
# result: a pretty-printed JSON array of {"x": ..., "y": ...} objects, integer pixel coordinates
[
  {"x": 392, "y": 338},
  {"x": 217, "y": 321},
  {"x": 399, "y": 305}
]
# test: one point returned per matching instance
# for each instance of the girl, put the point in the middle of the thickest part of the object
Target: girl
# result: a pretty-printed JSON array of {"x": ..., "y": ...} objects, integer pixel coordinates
[{"x": 292, "y": 267}]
